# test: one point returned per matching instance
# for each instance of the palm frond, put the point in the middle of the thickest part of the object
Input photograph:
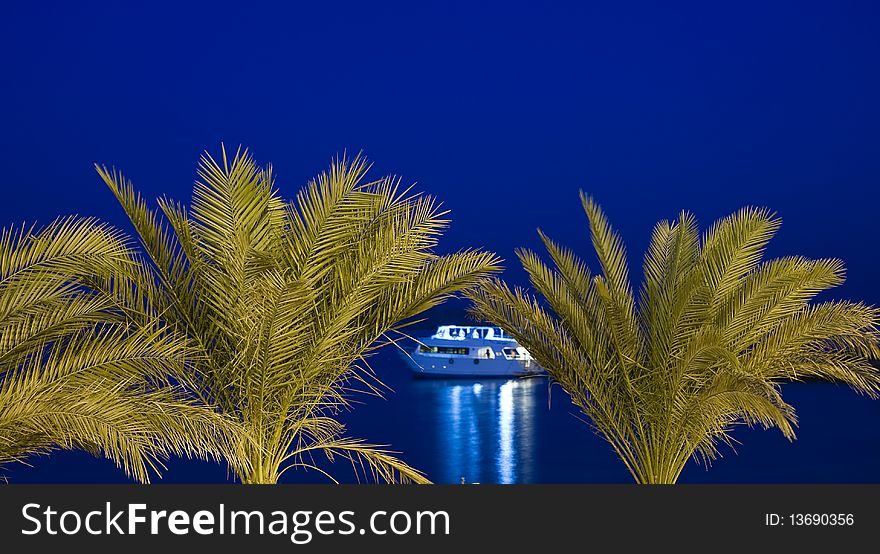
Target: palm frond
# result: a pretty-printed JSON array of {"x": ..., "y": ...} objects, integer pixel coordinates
[
  {"x": 76, "y": 372},
  {"x": 714, "y": 335},
  {"x": 281, "y": 302}
]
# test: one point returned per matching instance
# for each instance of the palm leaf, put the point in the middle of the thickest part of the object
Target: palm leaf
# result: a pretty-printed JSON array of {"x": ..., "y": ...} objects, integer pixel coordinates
[
  {"x": 282, "y": 302},
  {"x": 714, "y": 335},
  {"x": 75, "y": 372}
]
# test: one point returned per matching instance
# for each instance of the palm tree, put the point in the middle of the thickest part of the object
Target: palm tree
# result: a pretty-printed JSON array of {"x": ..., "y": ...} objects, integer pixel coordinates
[
  {"x": 73, "y": 373},
  {"x": 283, "y": 302},
  {"x": 714, "y": 333}
]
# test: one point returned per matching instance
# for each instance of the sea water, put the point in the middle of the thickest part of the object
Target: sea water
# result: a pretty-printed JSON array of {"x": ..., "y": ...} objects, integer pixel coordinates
[{"x": 527, "y": 431}]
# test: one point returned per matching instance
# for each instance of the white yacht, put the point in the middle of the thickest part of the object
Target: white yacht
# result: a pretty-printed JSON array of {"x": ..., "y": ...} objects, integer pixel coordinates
[{"x": 470, "y": 351}]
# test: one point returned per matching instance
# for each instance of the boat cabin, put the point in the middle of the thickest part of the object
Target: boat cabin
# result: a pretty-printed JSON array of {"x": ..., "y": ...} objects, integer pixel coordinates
[{"x": 460, "y": 332}]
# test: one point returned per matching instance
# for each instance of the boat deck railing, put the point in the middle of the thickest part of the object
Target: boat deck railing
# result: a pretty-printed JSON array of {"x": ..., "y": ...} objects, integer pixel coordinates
[{"x": 463, "y": 332}]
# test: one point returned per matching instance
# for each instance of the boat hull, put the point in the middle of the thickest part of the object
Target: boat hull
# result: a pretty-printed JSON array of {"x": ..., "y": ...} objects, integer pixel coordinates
[{"x": 436, "y": 366}]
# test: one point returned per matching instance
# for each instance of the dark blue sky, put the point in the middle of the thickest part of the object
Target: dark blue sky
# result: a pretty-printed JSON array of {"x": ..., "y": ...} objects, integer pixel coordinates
[{"x": 503, "y": 110}]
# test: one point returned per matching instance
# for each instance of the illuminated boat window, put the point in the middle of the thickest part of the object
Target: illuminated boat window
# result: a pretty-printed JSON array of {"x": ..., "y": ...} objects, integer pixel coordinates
[
  {"x": 512, "y": 353},
  {"x": 454, "y": 350}
]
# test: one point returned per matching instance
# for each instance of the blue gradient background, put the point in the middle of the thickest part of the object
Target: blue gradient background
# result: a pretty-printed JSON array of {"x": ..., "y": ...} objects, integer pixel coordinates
[{"x": 503, "y": 110}]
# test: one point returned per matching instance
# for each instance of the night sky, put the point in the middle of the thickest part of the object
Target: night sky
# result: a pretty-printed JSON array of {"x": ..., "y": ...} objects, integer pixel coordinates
[{"x": 502, "y": 110}]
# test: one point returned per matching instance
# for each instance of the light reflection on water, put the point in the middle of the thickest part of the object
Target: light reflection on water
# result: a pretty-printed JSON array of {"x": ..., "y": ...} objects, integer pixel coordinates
[
  {"x": 486, "y": 429},
  {"x": 509, "y": 431}
]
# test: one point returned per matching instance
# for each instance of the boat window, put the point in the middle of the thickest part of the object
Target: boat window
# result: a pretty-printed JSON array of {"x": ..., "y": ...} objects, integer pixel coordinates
[
  {"x": 509, "y": 353},
  {"x": 454, "y": 350}
]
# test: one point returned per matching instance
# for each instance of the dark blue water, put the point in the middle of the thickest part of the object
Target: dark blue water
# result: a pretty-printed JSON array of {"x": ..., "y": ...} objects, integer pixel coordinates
[
  {"x": 522, "y": 431},
  {"x": 519, "y": 431}
]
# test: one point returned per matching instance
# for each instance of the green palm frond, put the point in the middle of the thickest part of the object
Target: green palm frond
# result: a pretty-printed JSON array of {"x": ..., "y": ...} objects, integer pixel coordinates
[
  {"x": 368, "y": 461},
  {"x": 133, "y": 426},
  {"x": 75, "y": 372},
  {"x": 283, "y": 302},
  {"x": 714, "y": 334}
]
